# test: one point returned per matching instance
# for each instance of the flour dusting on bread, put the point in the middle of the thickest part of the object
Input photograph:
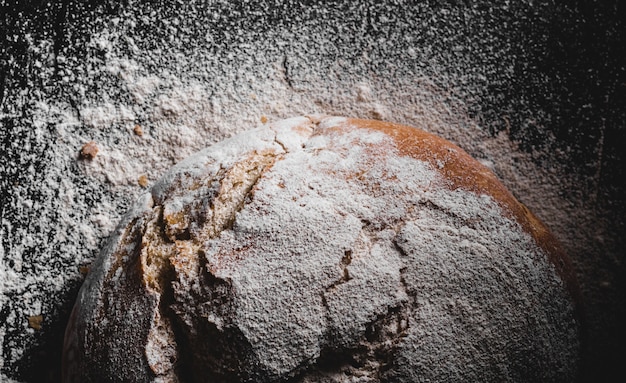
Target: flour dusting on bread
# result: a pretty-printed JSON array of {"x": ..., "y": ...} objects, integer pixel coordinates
[{"x": 322, "y": 249}]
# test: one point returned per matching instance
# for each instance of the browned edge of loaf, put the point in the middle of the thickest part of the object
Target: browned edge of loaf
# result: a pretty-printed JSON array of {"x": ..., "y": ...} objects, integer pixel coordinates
[{"x": 462, "y": 171}]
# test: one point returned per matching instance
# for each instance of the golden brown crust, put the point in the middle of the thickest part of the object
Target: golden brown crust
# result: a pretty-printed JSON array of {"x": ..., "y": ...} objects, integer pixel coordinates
[{"x": 463, "y": 171}]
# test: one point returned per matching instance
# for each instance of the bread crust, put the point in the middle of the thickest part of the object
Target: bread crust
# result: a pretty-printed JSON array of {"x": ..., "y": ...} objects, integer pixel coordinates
[
  {"x": 463, "y": 171},
  {"x": 320, "y": 248}
]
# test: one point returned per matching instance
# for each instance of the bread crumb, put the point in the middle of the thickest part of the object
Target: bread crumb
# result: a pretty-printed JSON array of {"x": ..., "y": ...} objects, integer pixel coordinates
[
  {"x": 89, "y": 151},
  {"x": 138, "y": 130},
  {"x": 35, "y": 321},
  {"x": 263, "y": 119},
  {"x": 378, "y": 112},
  {"x": 143, "y": 181}
]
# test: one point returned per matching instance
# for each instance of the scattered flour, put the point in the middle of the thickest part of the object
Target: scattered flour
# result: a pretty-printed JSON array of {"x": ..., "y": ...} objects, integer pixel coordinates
[{"x": 189, "y": 82}]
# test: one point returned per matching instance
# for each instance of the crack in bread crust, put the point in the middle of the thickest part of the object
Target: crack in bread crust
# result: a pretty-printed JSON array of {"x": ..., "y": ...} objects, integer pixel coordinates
[{"x": 167, "y": 259}]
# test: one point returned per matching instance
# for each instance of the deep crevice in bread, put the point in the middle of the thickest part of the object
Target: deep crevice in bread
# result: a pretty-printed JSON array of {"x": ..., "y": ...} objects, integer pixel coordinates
[{"x": 170, "y": 252}]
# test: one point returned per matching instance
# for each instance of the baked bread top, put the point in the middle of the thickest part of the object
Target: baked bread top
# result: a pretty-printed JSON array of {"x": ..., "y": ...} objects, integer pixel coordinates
[{"x": 326, "y": 249}]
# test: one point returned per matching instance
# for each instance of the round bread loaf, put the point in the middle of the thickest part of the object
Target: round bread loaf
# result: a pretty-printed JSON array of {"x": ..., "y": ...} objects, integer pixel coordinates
[{"x": 326, "y": 249}]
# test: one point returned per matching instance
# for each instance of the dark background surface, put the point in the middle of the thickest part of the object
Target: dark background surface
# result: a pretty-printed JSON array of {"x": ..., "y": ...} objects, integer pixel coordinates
[{"x": 556, "y": 70}]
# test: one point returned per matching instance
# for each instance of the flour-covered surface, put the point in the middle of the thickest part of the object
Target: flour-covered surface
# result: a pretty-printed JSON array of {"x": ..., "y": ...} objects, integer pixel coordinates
[
  {"x": 532, "y": 89},
  {"x": 318, "y": 251}
]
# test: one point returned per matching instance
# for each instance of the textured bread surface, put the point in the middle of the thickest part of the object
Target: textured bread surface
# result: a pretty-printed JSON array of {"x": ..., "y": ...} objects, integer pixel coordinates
[{"x": 326, "y": 249}]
